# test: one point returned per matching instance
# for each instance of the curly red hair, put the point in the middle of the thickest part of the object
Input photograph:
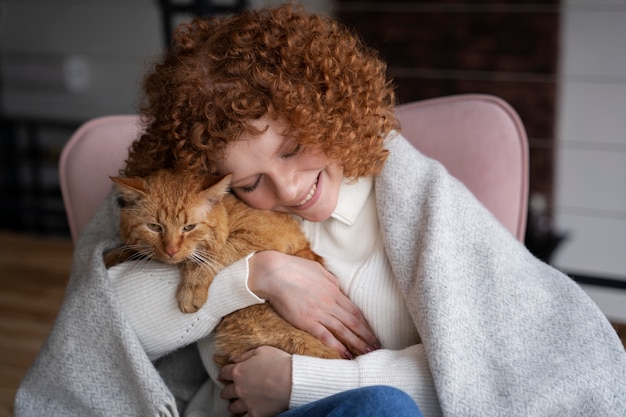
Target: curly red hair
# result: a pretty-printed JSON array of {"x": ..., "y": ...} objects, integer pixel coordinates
[{"x": 220, "y": 74}]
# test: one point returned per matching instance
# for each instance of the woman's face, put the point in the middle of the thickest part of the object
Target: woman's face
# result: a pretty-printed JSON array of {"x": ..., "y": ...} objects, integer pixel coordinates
[{"x": 272, "y": 172}]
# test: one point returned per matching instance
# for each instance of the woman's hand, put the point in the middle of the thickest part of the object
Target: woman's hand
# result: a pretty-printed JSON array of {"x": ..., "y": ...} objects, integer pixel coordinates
[
  {"x": 308, "y": 296},
  {"x": 258, "y": 383}
]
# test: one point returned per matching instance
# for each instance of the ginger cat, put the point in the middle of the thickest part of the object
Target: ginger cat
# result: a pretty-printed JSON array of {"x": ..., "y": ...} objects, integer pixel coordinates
[{"x": 195, "y": 223}]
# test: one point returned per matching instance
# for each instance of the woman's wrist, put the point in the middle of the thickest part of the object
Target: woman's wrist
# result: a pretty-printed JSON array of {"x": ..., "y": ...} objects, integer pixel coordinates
[{"x": 259, "y": 266}]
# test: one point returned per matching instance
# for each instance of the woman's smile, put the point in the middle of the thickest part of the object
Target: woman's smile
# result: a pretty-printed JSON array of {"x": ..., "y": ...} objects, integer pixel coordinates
[{"x": 310, "y": 198}]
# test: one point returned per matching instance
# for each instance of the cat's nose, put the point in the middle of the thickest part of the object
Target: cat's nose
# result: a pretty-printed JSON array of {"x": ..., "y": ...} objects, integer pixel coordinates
[{"x": 171, "y": 251}]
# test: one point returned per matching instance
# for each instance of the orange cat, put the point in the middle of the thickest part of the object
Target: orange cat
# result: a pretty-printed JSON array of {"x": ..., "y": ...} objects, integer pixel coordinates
[{"x": 176, "y": 218}]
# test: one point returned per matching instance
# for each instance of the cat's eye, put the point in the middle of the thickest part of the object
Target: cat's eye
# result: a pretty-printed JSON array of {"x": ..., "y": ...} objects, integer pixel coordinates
[
  {"x": 155, "y": 227},
  {"x": 189, "y": 227}
]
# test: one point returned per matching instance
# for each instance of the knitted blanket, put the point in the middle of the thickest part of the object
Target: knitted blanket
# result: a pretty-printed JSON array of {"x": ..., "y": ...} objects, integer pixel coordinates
[{"x": 506, "y": 335}]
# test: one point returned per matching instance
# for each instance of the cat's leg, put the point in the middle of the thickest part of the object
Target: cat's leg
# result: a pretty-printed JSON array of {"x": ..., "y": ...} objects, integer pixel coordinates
[{"x": 193, "y": 289}]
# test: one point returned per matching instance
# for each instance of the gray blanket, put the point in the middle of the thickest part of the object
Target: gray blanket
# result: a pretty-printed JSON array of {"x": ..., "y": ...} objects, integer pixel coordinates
[{"x": 506, "y": 334}]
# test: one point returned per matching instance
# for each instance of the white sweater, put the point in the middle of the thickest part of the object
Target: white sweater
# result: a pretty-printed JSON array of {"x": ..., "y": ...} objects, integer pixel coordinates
[{"x": 351, "y": 245}]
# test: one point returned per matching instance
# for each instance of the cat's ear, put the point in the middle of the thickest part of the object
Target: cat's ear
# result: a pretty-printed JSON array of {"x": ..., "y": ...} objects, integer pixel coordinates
[
  {"x": 129, "y": 189},
  {"x": 215, "y": 192}
]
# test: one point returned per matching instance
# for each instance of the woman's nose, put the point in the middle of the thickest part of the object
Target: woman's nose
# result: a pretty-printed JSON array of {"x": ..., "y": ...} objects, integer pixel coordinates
[{"x": 286, "y": 187}]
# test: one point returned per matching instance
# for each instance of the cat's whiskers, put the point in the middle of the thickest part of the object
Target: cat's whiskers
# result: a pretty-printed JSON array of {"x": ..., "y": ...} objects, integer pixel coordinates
[
  {"x": 207, "y": 260},
  {"x": 141, "y": 250},
  {"x": 140, "y": 254}
]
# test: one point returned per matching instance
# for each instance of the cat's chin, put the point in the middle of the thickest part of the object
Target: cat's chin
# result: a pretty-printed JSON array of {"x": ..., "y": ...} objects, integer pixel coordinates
[{"x": 170, "y": 261}]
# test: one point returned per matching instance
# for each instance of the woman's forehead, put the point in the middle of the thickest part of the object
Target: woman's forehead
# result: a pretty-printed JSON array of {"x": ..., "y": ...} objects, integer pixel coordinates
[{"x": 253, "y": 153}]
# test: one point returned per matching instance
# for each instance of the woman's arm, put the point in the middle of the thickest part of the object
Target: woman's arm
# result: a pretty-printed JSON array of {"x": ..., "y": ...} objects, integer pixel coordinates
[{"x": 146, "y": 291}]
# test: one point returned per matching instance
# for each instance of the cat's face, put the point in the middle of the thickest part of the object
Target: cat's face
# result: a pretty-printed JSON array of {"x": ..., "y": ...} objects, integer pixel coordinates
[{"x": 171, "y": 218}]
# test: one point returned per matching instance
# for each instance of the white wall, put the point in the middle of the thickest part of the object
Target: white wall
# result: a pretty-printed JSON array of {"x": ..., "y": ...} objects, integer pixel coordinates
[
  {"x": 76, "y": 59},
  {"x": 591, "y": 156}
]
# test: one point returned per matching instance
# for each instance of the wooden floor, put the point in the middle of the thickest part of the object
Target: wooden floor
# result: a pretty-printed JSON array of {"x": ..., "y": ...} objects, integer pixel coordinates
[{"x": 33, "y": 275}]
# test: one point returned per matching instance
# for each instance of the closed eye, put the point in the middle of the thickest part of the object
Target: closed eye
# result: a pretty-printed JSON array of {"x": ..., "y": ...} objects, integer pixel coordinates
[
  {"x": 189, "y": 227},
  {"x": 250, "y": 188},
  {"x": 294, "y": 152}
]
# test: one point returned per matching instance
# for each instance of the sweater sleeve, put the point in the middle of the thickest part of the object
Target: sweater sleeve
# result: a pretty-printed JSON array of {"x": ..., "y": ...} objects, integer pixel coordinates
[
  {"x": 406, "y": 369},
  {"x": 147, "y": 291}
]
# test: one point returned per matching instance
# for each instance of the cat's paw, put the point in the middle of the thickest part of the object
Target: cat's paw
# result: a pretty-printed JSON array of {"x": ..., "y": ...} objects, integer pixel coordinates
[{"x": 191, "y": 300}]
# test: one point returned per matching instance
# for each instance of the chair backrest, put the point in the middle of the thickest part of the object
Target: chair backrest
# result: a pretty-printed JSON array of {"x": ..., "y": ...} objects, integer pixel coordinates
[
  {"x": 479, "y": 138},
  {"x": 97, "y": 150}
]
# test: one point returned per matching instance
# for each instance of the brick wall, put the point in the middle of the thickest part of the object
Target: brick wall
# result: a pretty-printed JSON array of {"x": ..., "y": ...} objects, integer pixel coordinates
[{"x": 508, "y": 48}]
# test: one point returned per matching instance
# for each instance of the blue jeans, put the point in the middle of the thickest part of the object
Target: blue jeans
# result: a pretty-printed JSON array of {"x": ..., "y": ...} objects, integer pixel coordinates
[{"x": 374, "y": 401}]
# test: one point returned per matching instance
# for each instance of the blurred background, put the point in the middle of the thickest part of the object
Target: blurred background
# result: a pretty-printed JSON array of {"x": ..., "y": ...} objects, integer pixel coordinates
[{"x": 560, "y": 63}]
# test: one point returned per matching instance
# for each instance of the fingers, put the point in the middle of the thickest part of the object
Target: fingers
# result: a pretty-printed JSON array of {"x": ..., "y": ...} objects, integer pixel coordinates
[
  {"x": 227, "y": 373},
  {"x": 347, "y": 323},
  {"x": 348, "y": 332},
  {"x": 228, "y": 392},
  {"x": 258, "y": 382},
  {"x": 323, "y": 334},
  {"x": 354, "y": 329},
  {"x": 344, "y": 329},
  {"x": 237, "y": 408},
  {"x": 235, "y": 405}
]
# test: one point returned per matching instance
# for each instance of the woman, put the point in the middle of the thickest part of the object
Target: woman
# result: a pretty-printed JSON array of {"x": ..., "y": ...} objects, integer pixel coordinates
[{"x": 455, "y": 312}]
